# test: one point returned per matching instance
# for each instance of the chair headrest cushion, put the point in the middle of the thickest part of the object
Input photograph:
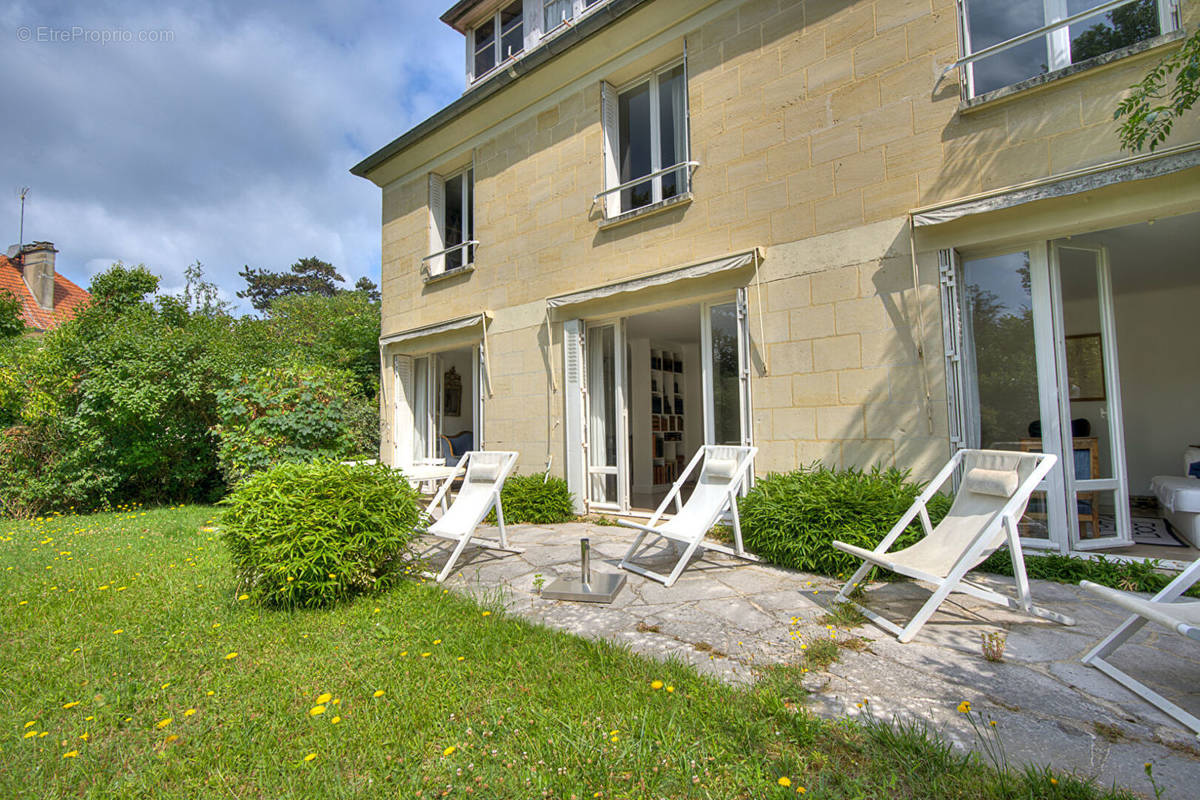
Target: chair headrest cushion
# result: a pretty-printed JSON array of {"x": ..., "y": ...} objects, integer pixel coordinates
[
  {"x": 484, "y": 472},
  {"x": 722, "y": 468},
  {"x": 996, "y": 482}
]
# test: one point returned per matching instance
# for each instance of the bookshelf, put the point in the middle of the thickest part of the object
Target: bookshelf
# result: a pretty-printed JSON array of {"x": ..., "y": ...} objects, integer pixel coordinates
[{"x": 665, "y": 411}]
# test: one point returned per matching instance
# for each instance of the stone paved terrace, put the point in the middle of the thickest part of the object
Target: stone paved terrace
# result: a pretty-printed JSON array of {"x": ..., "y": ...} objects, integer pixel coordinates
[{"x": 727, "y": 617}]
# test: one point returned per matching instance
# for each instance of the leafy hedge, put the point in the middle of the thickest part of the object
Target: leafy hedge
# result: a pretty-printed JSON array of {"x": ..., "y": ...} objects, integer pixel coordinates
[
  {"x": 289, "y": 414},
  {"x": 309, "y": 535},
  {"x": 1132, "y": 576},
  {"x": 534, "y": 500},
  {"x": 791, "y": 519}
]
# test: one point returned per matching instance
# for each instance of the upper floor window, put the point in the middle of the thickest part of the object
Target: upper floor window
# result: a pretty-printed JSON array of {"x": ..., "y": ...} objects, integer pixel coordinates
[
  {"x": 452, "y": 222},
  {"x": 498, "y": 38},
  {"x": 556, "y": 12},
  {"x": 1029, "y": 40},
  {"x": 646, "y": 140}
]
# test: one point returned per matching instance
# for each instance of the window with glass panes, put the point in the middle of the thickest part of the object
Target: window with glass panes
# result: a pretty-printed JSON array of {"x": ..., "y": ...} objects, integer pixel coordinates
[
  {"x": 646, "y": 132},
  {"x": 498, "y": 38},
  {"x": 986, "y": 23}
]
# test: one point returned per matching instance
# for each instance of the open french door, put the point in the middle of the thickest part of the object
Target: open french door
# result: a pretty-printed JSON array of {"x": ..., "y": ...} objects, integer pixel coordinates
[
  {"x": 725, "y": 355},
  {"x": 605, "y": 439},
  {"x": 1097, "y": 486}
]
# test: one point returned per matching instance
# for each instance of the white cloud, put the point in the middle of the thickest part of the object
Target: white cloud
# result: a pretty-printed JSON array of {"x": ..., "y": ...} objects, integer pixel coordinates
[{"x": 230, "y": 144}]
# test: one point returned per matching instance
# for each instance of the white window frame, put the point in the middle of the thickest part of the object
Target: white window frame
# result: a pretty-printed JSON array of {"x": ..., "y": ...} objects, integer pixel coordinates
[
  {"x": 434, "y": 264},
  {"x": 501, "y": 59},
  {"x": 1056, "y": 32},
  {"x": 611, "y": 123}
]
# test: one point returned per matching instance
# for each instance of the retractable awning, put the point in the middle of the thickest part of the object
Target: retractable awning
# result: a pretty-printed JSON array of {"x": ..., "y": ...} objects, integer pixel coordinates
[
  {"x": 657, "y": 279},
  {"x": 436, "y": 328},
  {"x": 1076, "y": 182}
]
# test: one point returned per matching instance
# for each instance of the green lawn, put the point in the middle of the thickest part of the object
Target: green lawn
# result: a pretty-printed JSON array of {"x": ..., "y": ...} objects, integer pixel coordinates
[{"x": 131, "y": 670}]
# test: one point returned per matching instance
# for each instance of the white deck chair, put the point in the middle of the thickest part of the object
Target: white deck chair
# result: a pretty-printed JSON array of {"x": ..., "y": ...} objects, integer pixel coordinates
[
  {"x": 995, "y": 489},
  {"x": 723, "y": 471},
  {"x": 1181, "y": 617},
  {"x": 486, "y": 472}
]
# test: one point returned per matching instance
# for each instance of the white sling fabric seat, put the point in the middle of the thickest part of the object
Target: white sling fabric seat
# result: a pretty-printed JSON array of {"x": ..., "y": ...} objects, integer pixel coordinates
[
  {"x": 724, "y": 470},
  {"x": 996, "y": 486},
  {"x": 486, "y": 471},
  {"x": 1166, "y": 609}
]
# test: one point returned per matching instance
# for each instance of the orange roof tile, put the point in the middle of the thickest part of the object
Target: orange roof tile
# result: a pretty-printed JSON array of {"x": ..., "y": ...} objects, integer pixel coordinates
[{"x": 68, "y": 297}]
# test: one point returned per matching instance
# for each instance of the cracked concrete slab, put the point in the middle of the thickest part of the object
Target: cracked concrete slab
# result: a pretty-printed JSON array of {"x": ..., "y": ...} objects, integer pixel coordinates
[{"x": 731, "y": 619}]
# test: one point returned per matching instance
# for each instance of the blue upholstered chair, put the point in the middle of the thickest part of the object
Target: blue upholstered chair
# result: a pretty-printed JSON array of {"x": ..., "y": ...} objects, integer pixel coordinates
[{"x": 452, "y": 448}]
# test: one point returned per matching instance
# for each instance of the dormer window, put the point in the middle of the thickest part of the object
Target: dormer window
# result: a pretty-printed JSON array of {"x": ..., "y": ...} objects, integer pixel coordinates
[{"x": 498, "y": 38}]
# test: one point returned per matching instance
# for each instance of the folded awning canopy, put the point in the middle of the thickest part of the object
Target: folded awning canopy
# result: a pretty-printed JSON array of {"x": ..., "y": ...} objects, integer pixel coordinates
[{"x": 437, "y": 328}]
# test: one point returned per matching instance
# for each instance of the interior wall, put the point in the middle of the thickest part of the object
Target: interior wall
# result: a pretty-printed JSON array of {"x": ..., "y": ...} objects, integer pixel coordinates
[
  {"x": 461, "y": 360},
  {"x": 1159, "y": 375}
]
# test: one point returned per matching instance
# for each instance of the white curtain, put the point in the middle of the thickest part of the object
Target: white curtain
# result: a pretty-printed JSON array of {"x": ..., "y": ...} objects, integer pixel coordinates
[
  {"x": 679, "y": 116},
  {"x": 556, "y": 12}
]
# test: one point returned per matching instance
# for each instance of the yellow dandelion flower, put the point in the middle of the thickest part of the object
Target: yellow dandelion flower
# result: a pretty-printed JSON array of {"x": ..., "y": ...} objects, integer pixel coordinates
[
  {"x": 31, "y": 723},
  {"x": 243, "y": 597},
  {"x": 615, "y": 739},
  {"x": 403, "y": 652},
  {"x": 102, "y": 588},
  {"x": 86, "y": 719},
  {"x": 437, "y": 641},
  {"x": 162, "y": 723},
  {"x": 378, "y": 693},
  {"x": 670, "y": 689},
  {"x": 71, "y": 704},
  {"x": 316, "y": 710},
  {"x": 1054, "y": 781},
  {"x": 324, "y": 698},
  {"x": 290, "y": 579},
  {"x": 461, "y": 658},
  {"x": 992, "y": 722},
  {"x": 310, "y": 757},
  {"x": 800, "y": 790},
  {"x": 118, "y": 630},
  {"x": 449, "y": 751},
  {"x": 216, "y": 624},
  {"x": 23, "y": 603},
  {"x": 228, "y": 656},
  {"x": 30, "y": 735},
  {"x": 656, "y": 685},
  {"x": 85, "y": 736},
  {"x": 335, "y": 720},
  {"x": 964, "y": 707},
  {"x": 165, "y": 685},
  {"x": 210, "y": 693},
  {"x": 784, "y": 781},
  {"x": 376, "y": 611},
  {"x": 71, "y": 754},
  {"x": 172, "y": 738},
  {"x": 426, "y": 655},
  {"x": 487, "y": 613},
  {"x": 189, "y": 712}
]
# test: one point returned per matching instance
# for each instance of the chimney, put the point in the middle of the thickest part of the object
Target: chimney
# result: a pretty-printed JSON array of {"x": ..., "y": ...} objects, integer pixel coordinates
[{"x": 37, "y": 264}]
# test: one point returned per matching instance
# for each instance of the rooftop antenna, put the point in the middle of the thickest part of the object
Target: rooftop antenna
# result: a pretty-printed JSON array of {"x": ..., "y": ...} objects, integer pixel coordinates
[{"x": 22, "y": 192}]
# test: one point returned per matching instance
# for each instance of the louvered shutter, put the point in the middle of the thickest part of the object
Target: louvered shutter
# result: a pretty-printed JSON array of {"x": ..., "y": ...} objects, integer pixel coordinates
[
  {"x": 437, "y": 223},
  {"x": 611, "y": 123},
  {"x": 573, "y": 430},
  {"x": 532, "y": 23},
  {"x": 402, "y": 414}
]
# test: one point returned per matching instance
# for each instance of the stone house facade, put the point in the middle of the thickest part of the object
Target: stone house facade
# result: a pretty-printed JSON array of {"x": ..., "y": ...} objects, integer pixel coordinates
[{"x": 830, "y": 192}]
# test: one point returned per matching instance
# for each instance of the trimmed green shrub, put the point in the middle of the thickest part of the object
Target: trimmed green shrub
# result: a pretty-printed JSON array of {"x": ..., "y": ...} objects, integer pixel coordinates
[
  {"x": 291, "y": 414},
  {"x": 310, "y": 535},
  {"x": 1132, "y": 576},
  {"x": 791, "y": 519},
  {"x": 533, "y": 499}
]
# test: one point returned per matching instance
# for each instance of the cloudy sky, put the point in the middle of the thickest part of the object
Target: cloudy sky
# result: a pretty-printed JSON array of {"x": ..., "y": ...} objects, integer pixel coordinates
[{"x": 217, "y": 131}]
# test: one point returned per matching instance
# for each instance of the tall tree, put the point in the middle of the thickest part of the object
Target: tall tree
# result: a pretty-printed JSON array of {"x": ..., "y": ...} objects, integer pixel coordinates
[
  {"x": 368, "y": 286},
  {"x": 307, "y": 276},
  {"x": 11, "y": 323}
]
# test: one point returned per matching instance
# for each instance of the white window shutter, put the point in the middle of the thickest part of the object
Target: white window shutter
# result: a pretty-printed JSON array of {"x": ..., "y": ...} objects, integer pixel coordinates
[
  {"x": 437, "y": 223},
  {"x": 532, "y": 23},
  {"x": 573, "y": 432},
  {"x": 470, "y": 38},
  {"x": 402, "y": 414},
  {"x": 611, "y": 124}
]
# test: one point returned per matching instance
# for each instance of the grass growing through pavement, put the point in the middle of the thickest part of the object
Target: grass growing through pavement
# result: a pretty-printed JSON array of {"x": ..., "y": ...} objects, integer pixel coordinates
[{"x": 131, "y": 670}]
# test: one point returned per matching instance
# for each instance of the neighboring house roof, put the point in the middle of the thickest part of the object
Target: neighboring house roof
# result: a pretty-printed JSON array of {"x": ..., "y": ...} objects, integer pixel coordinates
[{"x": 68, "y": 297}]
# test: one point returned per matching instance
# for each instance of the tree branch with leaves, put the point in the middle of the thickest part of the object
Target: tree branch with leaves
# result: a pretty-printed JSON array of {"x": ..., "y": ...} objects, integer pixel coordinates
[{"x": 1162, "y": 98}]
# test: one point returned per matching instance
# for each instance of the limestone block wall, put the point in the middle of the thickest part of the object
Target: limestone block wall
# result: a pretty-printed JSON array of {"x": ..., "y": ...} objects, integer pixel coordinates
[{"x": 810, "y": 120}]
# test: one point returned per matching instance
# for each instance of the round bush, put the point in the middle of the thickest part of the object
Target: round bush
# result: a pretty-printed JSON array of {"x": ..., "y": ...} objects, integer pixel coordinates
[
  {"x": 308, "y": 535},
  {"x": 791, "y": 519},
  {"x": 533, "y": 499}
]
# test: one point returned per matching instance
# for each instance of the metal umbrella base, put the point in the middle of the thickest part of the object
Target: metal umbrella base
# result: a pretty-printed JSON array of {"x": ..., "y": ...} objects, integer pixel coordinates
[{"x": 589, "y": 587}]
